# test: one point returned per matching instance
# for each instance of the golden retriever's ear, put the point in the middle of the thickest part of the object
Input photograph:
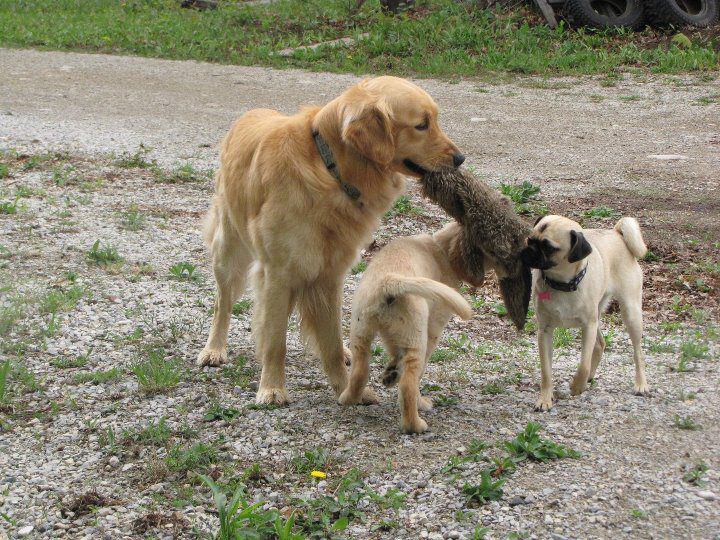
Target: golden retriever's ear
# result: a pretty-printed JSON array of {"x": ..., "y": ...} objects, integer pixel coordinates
[{"x": 368, "y": 130}]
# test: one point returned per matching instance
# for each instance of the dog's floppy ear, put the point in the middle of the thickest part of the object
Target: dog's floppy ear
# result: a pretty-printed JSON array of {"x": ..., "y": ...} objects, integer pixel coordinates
[
  {"x": 538, "y": 220},
  {"x": 367, "y": 128},
  {"x": 579, "y": 247}
]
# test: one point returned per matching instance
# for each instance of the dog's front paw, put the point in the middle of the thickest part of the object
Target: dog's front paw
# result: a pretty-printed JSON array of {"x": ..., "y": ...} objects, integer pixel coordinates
[
  {"x": 416, "y": 425},
  {"x": 642, "y": 389},
  {"x": 369, "y": 397},
  {"x": 425, "y": 404},
  {"x": 349, "y": 398},
  {"x": 544, "y": 404},
  {"x": 272, "y": 396},
  {"x": 211, "y": 357}
]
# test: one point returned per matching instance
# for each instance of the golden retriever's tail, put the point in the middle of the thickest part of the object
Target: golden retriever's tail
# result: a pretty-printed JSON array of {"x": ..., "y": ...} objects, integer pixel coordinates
[
  {"x": 396, "y": 285},
  {"x": 630, "y": 230}
]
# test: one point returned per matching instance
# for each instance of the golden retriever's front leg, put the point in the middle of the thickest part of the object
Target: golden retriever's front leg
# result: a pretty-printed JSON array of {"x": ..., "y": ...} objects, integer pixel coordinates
[
  {"x": 275, "y": 301},
  {"x": 320, "y": 310}
]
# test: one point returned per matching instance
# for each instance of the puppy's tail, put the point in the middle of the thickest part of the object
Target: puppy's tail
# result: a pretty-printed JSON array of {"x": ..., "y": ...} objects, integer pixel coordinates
[
  {"x": 630, "y": 230},
  {"x": 396, "y": 285}
]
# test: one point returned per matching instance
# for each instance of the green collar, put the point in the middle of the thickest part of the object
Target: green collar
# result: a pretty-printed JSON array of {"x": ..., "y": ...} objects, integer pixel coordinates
[{"x": 329, "y": 160}]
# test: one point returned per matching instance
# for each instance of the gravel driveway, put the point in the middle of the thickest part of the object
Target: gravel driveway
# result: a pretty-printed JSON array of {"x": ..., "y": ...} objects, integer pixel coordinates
[{"x": 82, "y": 327}]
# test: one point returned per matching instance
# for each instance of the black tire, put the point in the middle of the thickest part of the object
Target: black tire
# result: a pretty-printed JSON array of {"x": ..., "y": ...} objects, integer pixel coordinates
[
  {"x": 605, "y": 13},
  {"x": 678, "y": 13}
]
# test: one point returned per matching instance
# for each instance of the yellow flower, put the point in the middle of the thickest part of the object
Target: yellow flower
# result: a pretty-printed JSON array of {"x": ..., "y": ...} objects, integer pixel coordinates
[{"x": 318, "y": 474}]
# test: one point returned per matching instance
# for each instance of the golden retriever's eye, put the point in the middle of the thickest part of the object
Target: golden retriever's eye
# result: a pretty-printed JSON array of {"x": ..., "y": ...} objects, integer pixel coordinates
[{"x": 423, "y": 126}]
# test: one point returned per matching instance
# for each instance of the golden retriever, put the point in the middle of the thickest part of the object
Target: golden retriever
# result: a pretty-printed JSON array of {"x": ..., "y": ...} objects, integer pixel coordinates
[
  {"x": 407, "y": 294},
  {"x": 279, "y": 209}
]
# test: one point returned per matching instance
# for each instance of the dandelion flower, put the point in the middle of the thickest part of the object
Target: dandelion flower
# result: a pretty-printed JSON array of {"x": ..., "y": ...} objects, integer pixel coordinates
[{"x": 318, "y": 474}]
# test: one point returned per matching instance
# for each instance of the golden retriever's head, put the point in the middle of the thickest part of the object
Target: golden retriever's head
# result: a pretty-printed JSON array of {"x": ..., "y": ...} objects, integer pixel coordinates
[{"x": 394, "y": 123}]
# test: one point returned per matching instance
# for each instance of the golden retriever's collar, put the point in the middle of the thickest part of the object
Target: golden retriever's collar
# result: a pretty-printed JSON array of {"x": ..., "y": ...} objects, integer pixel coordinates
[
  {"x": 570, "y": 286},
  {"x": 329, "y": 160}
]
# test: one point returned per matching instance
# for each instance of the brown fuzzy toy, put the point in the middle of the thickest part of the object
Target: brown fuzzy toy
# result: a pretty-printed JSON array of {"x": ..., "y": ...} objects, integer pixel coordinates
[{"x": 491, "y": 229}]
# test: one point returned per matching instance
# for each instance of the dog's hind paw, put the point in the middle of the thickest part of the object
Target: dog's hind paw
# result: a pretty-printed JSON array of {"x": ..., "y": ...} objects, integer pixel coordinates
[
  {"x": 272, "y": 396},
  {"x": 211, "y": 357},
  {"x": 425, "y": 403},
  {"x": 543, "y": 405},
  {"x": 418, "y": 425},
  {"x": 390, "y": 376},
  {"x": 642, "y": 389},
  {"x": 369, "y": 397}
]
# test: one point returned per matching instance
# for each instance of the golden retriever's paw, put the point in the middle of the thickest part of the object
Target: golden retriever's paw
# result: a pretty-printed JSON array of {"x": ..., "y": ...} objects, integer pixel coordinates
[
  {"x": 211, "y": 357},
  {"x": 349, "y": 398},
  {"x": 272, "y": 396},
  {"x": 425, "y": 403},
  {"x": 347, "y": 355},
  {"x": 642, "y": 389},
  {"x": 418, "y": 425},
  {"x": 369, "y": 397},
  {"x": 544, "y": 404},
  {"x": 390, "y": 376}
]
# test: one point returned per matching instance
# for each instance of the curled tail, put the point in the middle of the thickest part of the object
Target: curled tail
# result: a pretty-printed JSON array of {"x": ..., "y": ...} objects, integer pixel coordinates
[
  {"x": 630, "y": 230},
  {"x": 396, "y": 285}
]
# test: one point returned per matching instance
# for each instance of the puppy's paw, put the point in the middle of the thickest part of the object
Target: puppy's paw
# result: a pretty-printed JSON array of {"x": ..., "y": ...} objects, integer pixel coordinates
[
  {"x": 578, "y": 386},
  {"x": 416, "y": 425},
  {"x": 642, "y": 389},
  {"x": 544, "y": 404},
  {"x": 271, "y": 396},
  {"x": 347, "y": 355},
  {"x": 425, "y": 404},
  {"x": 211, "y": 357},
  {"x": 390, "y": 376},
  {"x": 369, "y": 397}
]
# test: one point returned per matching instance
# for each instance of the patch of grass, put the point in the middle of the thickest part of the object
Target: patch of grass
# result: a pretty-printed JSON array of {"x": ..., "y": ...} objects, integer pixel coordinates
[
  {"x": 156, "y": 374},
  {"x": 195, "y": 458},
  {"x": 103, "y": 255},
  {"x": 153, "y": 434},
  {"x": 217, "y": 412},
  {"x": 525, "y": 197},
  {"x": 4, "y": 382},
  {"x": 444, "y": 400},
  {"x": 63, "y": 362},
  {"x": 184, "y": 271},
  {"x": 650, "y": 257},
  {"x": 403, "y": 206},
  {"x": 61, "y": 299},
  {"x": 473, "y": 40},
  {"x": 529, "y": 445},
  {"x": 135, "y": 160},
  {"x": 238, "y": 372},
  {"x": 4, "y": 170},
  {"x": 238, "y": 519},
  {"x": 132, "y": 219},
  {"x": 600, "y": 212},
  {"x": 661, "y": 347},
  {"x": 492, "y": 388},
  {"x": 440, "y": 356},
  {"x": 98, "y": 377},
  {"x": 310, "y": 460},
  {"x": 242, "y": 307},
  {"x": 630, "y": 98},
  {"x": 475, "y": 453},
  {"x": 694, "y": 350},
  {"x": 181, "y": 174},
  {"x": 685, "y": 422},
  {"x": 695, "y": 474},
  {"x": 638, "y": 513},
  {"x": 562, "y": 338},
  {"x": 359, "y": 268},
  {"x": 489, "y": 489},
  {"x": 9, "y": 208}
]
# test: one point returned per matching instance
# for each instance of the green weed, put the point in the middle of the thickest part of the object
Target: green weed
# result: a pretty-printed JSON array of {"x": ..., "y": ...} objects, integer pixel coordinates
[
  {"x": 695, "y": 474},
  {"x": 156, "y": 374},
  {"x": 217, "y": 412},
  {"x": 135, "y": 160},
  {"x": 600, "y": 212},
  {"x": 685, "y": 422},
  {"x": 195, "y": 458},
  {"x": 403, "y": 206},
  {"x": 103, "y": 255},
  {"x": 184, "y": 271},
  {"x": 359, "y": 268},
  {"x": 525, "y": 197},
  {"x": 153, "y": 434},
  {"x": 132, "y": 219},
  {"x": 98, "y": 377},
  {"x": 488, "y": 489},
  {"x": 310, "y": 460},
  {"x": 242, "y": 307},
  {"x": 529, "y": 445}
]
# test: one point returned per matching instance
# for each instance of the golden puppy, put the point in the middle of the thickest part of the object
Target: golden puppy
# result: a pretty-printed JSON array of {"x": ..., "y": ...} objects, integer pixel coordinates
[
  {"x": 296, "y": 197},
  {"x": 577, "y": 273},
  {"x": 407, "y": 294}
]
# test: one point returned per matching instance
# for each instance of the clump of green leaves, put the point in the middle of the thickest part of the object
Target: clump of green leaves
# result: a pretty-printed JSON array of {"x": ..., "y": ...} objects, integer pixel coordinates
[
  {"x": 156, "y": 374},
  {"x": 9, "y": 207},
  {"x": 695, "y": 474},
  {"x": 403, "y": 206},
  {"x": 154, "y": 434},
  {"x": 685, "y": 422},
  {"x": 133, "y": 219},
  {"x": 103, "y": 255},
  {"x": 181, "y": 174},
  {"x": 242, "y": 307},
  {"x": 217, "y": 412},
  {"x": 529, "y": 445},
  {"x": 98, "y": 377},
  {"x": 359, "y": 268},
  {"x": 135, "y": 160},
  {"x": 310, "y": 460},
  {"x": 525, "y": 197},
  {"x": 184, "y": 271},
  {"x": 194, "y": 458},
  {"x": 600, "y": 212},
  {"x": 489, "y": 489}
]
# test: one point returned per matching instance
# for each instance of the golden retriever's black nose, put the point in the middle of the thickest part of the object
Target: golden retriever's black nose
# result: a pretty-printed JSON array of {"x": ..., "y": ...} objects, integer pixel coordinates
[{"x": 458, "y": 159}]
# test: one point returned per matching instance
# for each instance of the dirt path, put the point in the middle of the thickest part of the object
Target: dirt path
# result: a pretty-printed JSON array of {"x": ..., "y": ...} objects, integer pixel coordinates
[{"x": 78, "y": 333}]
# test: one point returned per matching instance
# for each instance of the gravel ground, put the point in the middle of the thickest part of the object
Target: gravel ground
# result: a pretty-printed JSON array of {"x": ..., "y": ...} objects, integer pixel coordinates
[{"x": 63, "y": 436}]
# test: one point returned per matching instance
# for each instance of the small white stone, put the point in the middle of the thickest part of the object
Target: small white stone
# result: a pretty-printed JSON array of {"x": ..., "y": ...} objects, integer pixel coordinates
[
  {"x": 667, "y": 157},
  {"x": 707, "y": 495},
  {"x": 478, "y": 119},
  {"x": 25, "y": 531}
]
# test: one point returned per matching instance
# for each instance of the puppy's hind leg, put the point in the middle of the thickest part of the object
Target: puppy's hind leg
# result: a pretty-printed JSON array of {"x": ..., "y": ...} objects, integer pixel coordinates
[
  {"x": 632, "y": 316},
  {"x": 230, "y": 259},
  {"x": 412, "y": 367},
  {"x": 356, "y": 391}
]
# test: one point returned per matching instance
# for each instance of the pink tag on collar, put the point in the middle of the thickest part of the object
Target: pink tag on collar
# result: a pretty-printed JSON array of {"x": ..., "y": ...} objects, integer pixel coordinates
[{"x": 544, "y": 295}]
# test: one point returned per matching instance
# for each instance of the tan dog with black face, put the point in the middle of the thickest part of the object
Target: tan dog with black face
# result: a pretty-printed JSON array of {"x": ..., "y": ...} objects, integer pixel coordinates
[
  {"x": 280, "y": 208},
  {"x": 577, "y": 273}
]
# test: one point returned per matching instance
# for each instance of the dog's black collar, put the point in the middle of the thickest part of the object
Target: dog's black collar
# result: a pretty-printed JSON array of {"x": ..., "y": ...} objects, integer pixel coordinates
[
  {"x": 570, "y": 286},
  {"x": 329, "y": 160}
]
